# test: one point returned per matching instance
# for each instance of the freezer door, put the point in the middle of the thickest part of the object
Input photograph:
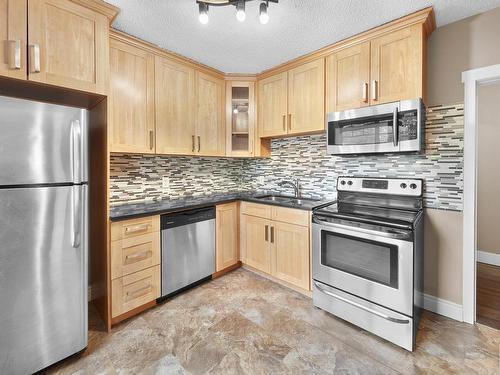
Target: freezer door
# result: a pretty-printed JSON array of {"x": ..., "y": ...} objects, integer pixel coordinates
[
  {"x": 43, "y": 276},
  {"x": 41, "y": 143}
]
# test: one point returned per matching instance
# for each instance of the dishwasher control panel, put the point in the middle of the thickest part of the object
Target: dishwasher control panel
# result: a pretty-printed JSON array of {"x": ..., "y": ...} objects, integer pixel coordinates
[{"x": 178, "y": 219}]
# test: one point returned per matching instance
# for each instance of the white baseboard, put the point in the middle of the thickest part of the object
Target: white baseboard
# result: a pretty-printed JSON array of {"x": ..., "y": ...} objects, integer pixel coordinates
[
  {"x": 488, "y": 258},
  {"x": 443, "y": 307}
]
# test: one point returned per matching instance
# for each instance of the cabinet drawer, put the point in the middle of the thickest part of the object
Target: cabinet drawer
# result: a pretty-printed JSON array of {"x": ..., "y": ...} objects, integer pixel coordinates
[
  {"x": 135, "y": 227},
  {"x": 291, "y": 216},
  {"x": 256, "y": 209},
  {"x": 135, "y": 290},
  {"x": 134, "y": 254}
]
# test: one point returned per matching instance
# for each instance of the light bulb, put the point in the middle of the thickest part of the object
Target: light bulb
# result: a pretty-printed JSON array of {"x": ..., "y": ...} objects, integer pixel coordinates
[
  {"x": 235, "y": 111},
  {"x": 240, "y": 11},
  {"x": 264, "y": 16},
  {"x": 203, "y": 17}
]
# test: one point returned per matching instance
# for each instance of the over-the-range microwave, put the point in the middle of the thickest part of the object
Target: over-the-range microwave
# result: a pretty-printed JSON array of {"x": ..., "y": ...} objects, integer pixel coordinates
[{"x": 371, "y": 129}]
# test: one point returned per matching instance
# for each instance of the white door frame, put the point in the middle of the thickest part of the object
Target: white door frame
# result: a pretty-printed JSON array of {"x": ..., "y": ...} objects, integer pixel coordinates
[{"x": 472, "y": 79}]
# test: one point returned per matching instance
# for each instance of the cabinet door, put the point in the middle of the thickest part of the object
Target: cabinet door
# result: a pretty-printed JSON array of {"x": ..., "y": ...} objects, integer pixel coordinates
[
  {"x": 131, "y": 99},
  {"x": 226, "y": 235},
  {"x": 255, "y": 242},
  {"x": 174, "y": 99},
  {"x": 306, "y": 98},
  {"x": 240, "y": 118},
  {"x": 397, "y": 65},
  {"x": 272, "y": 108},
  {"x": 210, "y": 122},
  {"x": 13, "y": 38},
  {"x": 68, "y": 45},
  {"x": 291, "y": 254},
  {"x": 348, "y": 78}
]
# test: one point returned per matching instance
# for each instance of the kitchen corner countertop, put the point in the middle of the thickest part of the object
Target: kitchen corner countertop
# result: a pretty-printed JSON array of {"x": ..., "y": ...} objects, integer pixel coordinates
[{"x": 145, "y": 208}]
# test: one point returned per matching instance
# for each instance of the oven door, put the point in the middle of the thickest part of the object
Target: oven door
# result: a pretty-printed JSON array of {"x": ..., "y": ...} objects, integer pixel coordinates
[{"x": 373, "y": 264}]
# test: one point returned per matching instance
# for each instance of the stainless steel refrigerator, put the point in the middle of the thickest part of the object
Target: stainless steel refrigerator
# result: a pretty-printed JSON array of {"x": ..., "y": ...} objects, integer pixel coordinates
[{"x": 43, "y": 234}]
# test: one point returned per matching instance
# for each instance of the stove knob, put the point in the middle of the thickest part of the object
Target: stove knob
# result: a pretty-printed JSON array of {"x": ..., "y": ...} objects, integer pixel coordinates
[
  {"x": 413, "y": 186},
  {"x": 403, "y": 185},
  {"x": 349, "y": 183},
  {"x": 342, "y": 182}
]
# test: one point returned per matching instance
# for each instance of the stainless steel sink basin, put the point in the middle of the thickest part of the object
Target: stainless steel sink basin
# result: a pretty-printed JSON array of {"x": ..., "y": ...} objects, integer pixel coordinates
[{"x": 286, "y": 199}]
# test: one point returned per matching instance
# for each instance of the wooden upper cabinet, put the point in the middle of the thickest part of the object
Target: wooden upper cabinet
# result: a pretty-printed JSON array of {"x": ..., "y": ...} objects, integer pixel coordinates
[
  {"x": 227, "y": 234},
  {"x": 68, "y": 45},
  {"x": 131, "y": 102},
  {"x": 348, "y": 78},
  {"x": 13, "y": 25},
  {"x": 175, "y": 101},
  {"x": 397, "y": 65},
  {"x": 273, "y": 106},
  {"x": 210, "y": 123},
  {"x": 306, "y": 98},
  {"x": 240, "y": 118}
]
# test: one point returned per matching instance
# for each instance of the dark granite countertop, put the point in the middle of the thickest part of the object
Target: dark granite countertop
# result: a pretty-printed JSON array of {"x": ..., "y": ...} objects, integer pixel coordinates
[{"x": 138, "y": 209}]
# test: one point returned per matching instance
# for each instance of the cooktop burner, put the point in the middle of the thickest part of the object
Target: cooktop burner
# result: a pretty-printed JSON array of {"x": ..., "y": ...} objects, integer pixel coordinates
[
  {"x": 381, "y": 201},
  {"x": 369, "y": 214}
]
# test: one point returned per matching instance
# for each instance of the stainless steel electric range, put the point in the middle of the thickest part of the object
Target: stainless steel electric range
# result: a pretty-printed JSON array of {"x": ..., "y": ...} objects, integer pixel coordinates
[{"x": 368, "y": 256}]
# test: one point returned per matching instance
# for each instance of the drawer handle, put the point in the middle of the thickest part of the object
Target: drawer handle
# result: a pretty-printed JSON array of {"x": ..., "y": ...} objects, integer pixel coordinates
[
  {"x": 137, "y": 228},
  {"x": 139, "y": 292},
  {"x": 137, "y": 257}
]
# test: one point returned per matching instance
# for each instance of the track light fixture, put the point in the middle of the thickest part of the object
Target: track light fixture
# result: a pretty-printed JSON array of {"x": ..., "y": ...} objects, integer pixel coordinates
[
  {"x": 240, "y": 9},
  {"x": 203, "y": 17}
]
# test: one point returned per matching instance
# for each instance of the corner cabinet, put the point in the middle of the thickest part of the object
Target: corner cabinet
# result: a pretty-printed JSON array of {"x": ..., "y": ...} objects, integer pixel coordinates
[
  {"x": 210, "y": 122},
  {"x": 67, "y": 42},
  {"x": 293, "y": 102},
  {"x": 131, "y": 106}
]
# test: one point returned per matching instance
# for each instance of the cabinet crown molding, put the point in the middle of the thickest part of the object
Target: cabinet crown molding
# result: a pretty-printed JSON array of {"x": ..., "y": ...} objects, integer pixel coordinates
[{"x": 100, "y": 6}]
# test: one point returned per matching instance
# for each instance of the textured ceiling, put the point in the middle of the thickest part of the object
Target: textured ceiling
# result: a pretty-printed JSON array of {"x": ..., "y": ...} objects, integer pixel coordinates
[{"x": 296, "y": 27}]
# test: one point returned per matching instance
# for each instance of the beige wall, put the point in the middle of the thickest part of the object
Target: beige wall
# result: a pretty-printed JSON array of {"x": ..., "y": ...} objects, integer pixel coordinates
[
  {"x": 443, "y": 254},
  {"x": 467, "y": 44},
  {"x": 471, "y": 43},
  {"x": 488, "y": 184}
]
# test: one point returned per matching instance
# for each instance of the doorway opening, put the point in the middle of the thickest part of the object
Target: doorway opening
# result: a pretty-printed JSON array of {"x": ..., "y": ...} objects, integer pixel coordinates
[{"x": 481, "y": 216}]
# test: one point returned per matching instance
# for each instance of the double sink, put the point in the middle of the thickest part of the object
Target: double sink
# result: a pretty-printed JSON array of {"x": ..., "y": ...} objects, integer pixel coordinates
[{"x": 283, "y": 199}]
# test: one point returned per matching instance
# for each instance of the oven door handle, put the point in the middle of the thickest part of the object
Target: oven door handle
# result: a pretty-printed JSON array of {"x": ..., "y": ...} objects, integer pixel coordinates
[
  {"x": 359, "y": 306},
  {"x": 394, "y": 234}
]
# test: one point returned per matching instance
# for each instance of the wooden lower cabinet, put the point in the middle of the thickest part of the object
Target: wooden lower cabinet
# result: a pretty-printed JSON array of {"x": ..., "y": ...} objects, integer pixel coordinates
[
  {"x": 226, "y": 235},
  {"x": 280, "y": 249},
  {"x": 135, "y": 290},
  {"x": 135, "y": 265},
  {"x": 255, "y": 243},
  {"x": 291, "y": 254}
]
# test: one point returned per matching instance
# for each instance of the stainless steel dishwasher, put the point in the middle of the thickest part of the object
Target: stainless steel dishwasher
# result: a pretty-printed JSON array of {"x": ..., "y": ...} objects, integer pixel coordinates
[{"x": 187, "y": 249}]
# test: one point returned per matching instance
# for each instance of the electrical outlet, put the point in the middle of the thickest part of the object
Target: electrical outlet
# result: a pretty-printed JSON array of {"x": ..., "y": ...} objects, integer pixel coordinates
[
  {"x": 260, "y": 180},
  {"x": 165, "y": 182}
]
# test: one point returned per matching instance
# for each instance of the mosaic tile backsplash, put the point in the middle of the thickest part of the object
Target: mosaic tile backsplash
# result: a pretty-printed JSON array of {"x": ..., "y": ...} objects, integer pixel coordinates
[{"x": 137, "y": 177}]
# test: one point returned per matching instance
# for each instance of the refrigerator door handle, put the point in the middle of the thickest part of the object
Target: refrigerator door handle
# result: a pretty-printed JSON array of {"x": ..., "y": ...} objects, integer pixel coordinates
[
  {"x": 77, "y": 215},
  {"x": 76, "y": 151}
]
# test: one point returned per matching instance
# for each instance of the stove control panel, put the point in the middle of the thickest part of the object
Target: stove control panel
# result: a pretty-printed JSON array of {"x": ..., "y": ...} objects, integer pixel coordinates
[{"x": 389, "y": 186}]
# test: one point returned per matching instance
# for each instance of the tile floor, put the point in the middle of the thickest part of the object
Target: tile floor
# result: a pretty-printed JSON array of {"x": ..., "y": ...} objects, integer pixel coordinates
[{"x": 242, "y": 323}]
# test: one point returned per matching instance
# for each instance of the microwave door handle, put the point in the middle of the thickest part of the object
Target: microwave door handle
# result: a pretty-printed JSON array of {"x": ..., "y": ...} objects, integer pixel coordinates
[
  {"x": 359, "y": 306},
  {"x": 395, "y": 127}
]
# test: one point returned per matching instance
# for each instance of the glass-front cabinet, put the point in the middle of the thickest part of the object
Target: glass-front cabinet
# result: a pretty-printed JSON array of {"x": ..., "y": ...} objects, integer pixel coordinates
[{"x": 240, "y": 118}]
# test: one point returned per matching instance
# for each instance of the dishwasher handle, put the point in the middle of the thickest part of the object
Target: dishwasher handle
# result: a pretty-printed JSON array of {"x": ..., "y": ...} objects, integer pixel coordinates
[{"x": 182, "y": 218}]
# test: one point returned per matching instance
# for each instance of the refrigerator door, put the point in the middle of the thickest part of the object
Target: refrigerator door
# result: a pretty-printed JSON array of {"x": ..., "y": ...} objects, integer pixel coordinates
[
  {"x": 43, "y": 276},
  {"x": 41, "y": 143}
]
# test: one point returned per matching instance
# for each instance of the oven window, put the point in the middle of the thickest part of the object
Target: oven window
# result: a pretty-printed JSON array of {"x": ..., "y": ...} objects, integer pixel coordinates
[
  {"x": 371, "y": 260},
  {"x": 363, "y": 131}
]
